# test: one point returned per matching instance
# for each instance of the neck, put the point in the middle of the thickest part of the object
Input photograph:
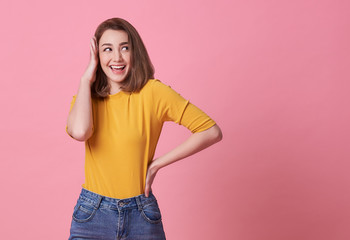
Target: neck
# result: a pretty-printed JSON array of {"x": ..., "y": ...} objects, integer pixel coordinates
[{"x": 115, "y": 88}]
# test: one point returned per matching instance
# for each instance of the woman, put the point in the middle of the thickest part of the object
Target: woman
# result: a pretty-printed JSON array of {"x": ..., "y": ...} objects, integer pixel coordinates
[{"x": 119, "y": 112}]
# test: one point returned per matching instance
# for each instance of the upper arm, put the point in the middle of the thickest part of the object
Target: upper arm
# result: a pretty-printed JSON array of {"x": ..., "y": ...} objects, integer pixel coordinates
[{"x": 171, "y": 106}]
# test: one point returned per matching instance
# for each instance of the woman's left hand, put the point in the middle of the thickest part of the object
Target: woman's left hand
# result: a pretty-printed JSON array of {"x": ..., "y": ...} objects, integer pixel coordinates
[{"x": 151, "y": 174}]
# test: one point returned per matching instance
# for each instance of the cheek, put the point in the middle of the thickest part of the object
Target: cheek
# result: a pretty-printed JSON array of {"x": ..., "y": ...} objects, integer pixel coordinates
[
  {"x": 103, "y": 60},
  {"x": 127, "y": 57},
  {"x": 103, "y": 64}
]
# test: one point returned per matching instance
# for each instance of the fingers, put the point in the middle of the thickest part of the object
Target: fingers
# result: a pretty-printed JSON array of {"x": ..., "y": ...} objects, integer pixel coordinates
[
  {"x": 91, "y": 43},
  {"x": 94, "y": 43},
  {"x": 90, "y": 72},
  {"x": 146, "y": 191},
  {"x": 93, "y": 46},
  {"x": 147, "y": 185},
  {"x": 150, "y": 175}
]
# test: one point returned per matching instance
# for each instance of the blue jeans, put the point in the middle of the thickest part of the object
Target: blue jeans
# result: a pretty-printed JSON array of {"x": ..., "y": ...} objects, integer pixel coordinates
[{"x": 99, "y": 217}]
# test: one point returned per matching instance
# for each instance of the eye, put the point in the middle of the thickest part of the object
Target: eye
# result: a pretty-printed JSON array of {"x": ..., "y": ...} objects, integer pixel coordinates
[
  {"x": 125, "y": 48},
  {"x": 107, "y": 49}
]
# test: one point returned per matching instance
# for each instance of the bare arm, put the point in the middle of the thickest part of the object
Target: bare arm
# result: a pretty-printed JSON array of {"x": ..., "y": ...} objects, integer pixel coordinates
[
  {"x": 195, "y": 143},
  {"x": 80, "y": 122}
]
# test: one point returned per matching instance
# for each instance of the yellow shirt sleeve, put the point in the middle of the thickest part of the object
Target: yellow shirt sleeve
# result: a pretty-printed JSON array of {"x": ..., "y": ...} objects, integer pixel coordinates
[
  {"x": 127, "y": 127},
  {"x": 171, "y": 106}
]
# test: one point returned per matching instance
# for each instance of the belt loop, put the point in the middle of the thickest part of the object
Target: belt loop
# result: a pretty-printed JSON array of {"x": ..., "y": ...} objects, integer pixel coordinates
[
  {"x": 99, "y": 200},
  {"x": 139, "y": 204}
]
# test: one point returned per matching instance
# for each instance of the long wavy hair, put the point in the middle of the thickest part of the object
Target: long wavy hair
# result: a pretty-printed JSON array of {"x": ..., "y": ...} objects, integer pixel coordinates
[{"x": 141, "y": 66}]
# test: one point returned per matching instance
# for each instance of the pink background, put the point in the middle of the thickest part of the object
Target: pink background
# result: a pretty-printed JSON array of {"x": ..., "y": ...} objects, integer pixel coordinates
[{"x": 273, "y": 74}]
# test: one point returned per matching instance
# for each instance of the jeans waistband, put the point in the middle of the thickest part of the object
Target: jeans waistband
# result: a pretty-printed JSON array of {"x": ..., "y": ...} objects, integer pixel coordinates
[{"x": 98, "y": 200}]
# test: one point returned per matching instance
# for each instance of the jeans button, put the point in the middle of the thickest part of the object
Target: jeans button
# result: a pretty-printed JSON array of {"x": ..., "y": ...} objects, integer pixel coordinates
[{"x": 121, "y": 204}]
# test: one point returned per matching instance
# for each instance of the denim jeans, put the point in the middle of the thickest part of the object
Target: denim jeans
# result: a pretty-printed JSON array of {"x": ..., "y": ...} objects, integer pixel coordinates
[{"x": 99, "y": 217}]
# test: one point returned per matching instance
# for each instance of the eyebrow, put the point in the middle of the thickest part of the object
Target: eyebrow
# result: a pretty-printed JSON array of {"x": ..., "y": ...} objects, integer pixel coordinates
[{"x": 109, "y": 44}]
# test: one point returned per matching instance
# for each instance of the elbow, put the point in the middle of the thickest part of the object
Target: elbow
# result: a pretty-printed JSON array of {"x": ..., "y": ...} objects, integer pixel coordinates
[
  {"x": 217, "y": 133},
  {"x": 79, "y": 135},
  {"x": 220, "y": 136},
  {"x": 214, "y": 134}
]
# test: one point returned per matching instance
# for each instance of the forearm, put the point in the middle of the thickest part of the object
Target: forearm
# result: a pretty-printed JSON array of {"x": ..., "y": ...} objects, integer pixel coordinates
[
  {"x": 195, "y": 143},
  {"x": 80, "y": 120}
]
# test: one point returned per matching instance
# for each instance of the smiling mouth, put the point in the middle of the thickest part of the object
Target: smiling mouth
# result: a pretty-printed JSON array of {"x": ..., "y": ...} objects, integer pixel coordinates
[{"x": 119, "y": 68}]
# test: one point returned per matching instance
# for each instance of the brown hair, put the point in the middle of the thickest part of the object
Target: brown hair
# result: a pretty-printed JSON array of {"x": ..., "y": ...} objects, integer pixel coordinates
[{"x": 141, "y": 66}]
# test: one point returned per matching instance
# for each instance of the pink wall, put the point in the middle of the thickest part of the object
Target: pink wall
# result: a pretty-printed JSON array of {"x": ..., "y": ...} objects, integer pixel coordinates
[{"x": 273, "y": 74}]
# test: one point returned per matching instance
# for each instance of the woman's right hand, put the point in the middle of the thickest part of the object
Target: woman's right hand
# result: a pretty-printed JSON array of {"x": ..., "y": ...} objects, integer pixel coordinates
[{"x": 90, "y": 72}]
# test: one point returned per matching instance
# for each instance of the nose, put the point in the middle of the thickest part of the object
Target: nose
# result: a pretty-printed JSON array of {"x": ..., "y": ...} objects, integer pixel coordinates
[{"x": 118, "y": 56}]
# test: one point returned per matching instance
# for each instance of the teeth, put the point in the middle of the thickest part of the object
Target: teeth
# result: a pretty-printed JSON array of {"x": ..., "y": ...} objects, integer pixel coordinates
[{"x": 117, "y": 67}]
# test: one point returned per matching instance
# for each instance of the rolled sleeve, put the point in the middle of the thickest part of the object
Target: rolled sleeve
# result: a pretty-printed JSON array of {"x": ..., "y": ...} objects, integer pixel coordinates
[{"x": 171, "y": 106}]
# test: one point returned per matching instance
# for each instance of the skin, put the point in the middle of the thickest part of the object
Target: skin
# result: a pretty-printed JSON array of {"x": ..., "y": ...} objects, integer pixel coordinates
[
  {"x": 79, "y": 120},
  {"x": 195, "y": 143},
  {"x": 114, "y": 51}
]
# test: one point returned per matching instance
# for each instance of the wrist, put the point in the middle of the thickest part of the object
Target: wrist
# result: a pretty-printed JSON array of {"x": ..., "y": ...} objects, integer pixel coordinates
[
  {"x": 155, "y": 166},
  {"x": 85, "y": 81}
]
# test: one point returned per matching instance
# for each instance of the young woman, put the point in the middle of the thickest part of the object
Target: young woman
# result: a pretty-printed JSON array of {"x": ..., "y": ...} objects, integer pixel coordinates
[{"x": 119, "y": 111}]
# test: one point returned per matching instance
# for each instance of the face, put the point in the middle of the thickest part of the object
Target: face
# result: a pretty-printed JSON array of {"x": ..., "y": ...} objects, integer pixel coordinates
[{"x": 115, "y": 56}]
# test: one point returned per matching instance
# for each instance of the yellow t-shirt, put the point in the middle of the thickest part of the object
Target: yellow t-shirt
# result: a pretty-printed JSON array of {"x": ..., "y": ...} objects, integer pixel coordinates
[{"x": 126, "y": 129}]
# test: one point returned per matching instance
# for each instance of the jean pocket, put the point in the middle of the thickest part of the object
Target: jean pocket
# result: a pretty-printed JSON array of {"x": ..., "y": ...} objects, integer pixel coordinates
[
  {"x": 83, "y": 211},
  {"x": 151, "y": 212}
]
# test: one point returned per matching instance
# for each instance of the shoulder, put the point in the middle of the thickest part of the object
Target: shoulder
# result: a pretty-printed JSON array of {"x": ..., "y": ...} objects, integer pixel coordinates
[
  {"x": 153, "y": 83},
  {"x": 154, "y": 86}
]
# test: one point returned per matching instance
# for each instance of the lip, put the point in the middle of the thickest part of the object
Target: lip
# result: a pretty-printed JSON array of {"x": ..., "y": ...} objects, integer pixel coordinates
[
  {"x": 117, "y": 70},
  {"x": 117, "y": 65}
]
